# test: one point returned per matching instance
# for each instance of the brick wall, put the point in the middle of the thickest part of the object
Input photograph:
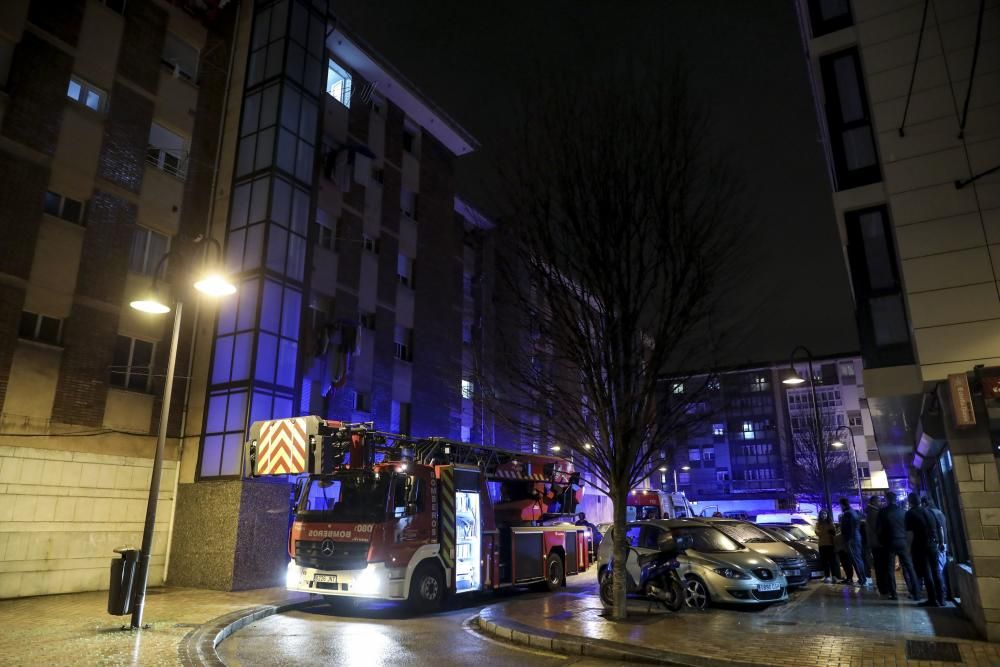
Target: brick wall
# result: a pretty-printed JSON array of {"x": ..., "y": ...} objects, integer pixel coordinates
[
  {"x": 82, "y": 388},
  {"x": 142, "y": 44},
  {"x": 391, "y": 186},
  {"x": 39, "y": 75},
  {"x": 126, "y": 135},
  {"x": 437, "y": 331},
  {"x": 11, "y": 303},
  {"x": 22, "y": 189},
  {"x": 104, "y": 256},
  {"x": 62, "y": 18},
  {"x": 394, "y": 135},
  {"x": 63, "y": 513},
  {"x": 349, "y": 256}
]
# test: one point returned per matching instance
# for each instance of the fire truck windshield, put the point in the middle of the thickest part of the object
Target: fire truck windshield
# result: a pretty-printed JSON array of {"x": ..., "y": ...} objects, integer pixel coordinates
[{"x": 346, "y": 496}]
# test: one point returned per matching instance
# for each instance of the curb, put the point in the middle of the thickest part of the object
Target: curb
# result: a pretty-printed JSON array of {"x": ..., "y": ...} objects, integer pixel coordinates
[
  {"x": 198, "y": 646},
  {"x": 498, "y": 626}
]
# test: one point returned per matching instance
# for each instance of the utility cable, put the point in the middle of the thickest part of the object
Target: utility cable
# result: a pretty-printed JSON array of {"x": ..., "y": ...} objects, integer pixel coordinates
[
  {"x": 913, "y": 74},
  {"x": 972, "y": 70}
]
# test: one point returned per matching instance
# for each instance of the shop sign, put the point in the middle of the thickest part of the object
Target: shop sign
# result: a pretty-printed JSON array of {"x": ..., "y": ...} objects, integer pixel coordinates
[{"x": 961, "y": 400}]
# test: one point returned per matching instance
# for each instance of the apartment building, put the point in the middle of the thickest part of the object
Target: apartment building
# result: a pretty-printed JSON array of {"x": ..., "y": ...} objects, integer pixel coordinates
[
  {"x": 107, "y": 137},
  {"x": 135, "y": 129},
  {"x": 908, "y": 99},
  {"x": 752, "y": 435}
]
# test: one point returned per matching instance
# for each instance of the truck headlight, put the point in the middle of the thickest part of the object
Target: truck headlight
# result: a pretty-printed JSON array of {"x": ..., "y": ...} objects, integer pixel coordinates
[
  {"x": 293, "y": 575},
  {"x": 731, "y": 573},
  {"x": 368, "y": 581}
]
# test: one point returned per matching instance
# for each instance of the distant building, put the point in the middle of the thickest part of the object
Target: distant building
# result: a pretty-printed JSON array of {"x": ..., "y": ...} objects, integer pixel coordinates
[
  {"x": 740, "y": 453},
  {"x": 906, "y": 99}
]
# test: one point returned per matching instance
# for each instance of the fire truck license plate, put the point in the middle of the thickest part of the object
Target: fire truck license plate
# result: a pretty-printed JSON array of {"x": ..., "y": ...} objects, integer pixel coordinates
[
  {"x": 325, "y": 578},
  {"x": 768, "y": 587}
]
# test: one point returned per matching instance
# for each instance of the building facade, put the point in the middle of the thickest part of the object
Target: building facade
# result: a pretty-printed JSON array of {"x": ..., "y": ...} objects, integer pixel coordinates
[
  {"x": 327, "y": 180},
  {"x": 753, "y": 436},
  {"x": 907, "y": 100}
]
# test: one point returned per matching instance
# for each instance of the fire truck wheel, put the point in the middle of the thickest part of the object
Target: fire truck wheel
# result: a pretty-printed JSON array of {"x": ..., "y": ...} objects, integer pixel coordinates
[
  {"x": 553, "y": 573},
  {"x": 426, "y": 588}
]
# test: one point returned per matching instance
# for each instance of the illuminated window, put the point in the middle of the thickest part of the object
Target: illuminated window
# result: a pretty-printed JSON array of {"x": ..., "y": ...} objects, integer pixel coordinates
[
  {"x": 468, "y": 389},
  {"x": 678, "y": 388},
  {"x": 86, "y": 94},
  {"x": 338, "y": 83},
  {"x": 718, "y": 429}
]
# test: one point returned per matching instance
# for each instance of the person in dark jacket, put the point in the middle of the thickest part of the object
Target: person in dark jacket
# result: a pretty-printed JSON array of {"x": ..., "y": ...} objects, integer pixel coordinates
[
  {"x": 878, "y": 557},
  {"x": 891, "y": 529},
  {"x": 850, "y": 531},
  {"x": 925, "y": 543},
  {"x": 942, "y": 555}
]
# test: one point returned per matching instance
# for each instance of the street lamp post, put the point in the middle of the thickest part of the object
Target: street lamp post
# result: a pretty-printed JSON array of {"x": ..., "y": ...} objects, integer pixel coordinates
[
  {"x": 792, "y": 378},
  {"x": 212, "y": 284},
  {"x": 838, "y": 443},
  {"x": 664, "y": 469}
]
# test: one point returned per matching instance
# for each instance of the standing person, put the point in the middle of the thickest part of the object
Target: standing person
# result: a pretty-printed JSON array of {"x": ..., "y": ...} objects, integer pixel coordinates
[
  {"x": 924, "y": 530},
  {"x": 871, "y": 530},
  {"x": 850, "y": 530},
  {"x": 942, "y": 553},
  {"x": 891, "y": 528},
  {"x": 826, "y": 532}
]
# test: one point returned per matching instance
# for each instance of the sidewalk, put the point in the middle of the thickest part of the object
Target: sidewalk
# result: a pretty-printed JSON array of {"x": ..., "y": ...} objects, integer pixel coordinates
[
  {"x": 824, "y": 625},
  {"x": 75, "y": 629}
]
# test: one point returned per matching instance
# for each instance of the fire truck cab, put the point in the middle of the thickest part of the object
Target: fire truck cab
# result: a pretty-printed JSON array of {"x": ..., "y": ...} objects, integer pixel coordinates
[
  {"x": 654, "y": 504},
  {"x": 381, "y": 516}
]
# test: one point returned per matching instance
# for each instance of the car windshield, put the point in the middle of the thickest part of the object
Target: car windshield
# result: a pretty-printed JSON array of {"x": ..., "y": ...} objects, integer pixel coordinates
[
  {"x": 795, "y": 532},
  {"x": 780, "y": 534},
  {"x": 707, "y": 539},
  {"x": 744, "y": 533},
  {"x": 346, "y": 496}
]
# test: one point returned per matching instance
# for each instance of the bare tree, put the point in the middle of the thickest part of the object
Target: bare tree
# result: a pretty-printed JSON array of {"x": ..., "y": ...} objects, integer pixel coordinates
[
  {"x": 809, "y": 453},
  {"x": 618, "y": 237}
]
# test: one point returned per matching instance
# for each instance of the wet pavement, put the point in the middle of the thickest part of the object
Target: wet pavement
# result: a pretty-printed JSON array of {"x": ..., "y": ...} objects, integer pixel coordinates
[
  {"x": 827, "y": 624},
  {"x": 345, "y": 633},
  {"x": 75, "y": 629}
]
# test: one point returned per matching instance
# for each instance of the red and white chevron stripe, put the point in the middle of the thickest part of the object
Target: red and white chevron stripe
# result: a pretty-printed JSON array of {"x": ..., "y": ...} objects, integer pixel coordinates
[{"x": 281, "y": 447}]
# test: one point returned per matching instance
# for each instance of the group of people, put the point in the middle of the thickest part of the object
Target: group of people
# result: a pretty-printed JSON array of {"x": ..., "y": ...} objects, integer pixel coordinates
[{"x": 859, "y": 543}]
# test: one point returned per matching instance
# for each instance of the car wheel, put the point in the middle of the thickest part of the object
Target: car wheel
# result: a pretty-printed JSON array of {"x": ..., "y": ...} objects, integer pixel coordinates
[
  {"x": 607, "y": 591},
  {"x": 696, "y": 594}
]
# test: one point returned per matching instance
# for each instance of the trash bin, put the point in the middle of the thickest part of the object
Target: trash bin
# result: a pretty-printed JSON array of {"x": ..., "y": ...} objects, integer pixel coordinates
[{"x": 122, "y": 576}]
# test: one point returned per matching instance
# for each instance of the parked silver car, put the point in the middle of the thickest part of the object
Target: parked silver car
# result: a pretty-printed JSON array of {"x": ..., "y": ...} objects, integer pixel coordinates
[
  {"x": 793, "y": 565},
  {"x": 716, "y": 569}
]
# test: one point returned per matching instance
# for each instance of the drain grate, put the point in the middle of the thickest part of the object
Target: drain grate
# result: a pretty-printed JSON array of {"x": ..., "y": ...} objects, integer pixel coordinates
[{"x": 942, "y": 651}]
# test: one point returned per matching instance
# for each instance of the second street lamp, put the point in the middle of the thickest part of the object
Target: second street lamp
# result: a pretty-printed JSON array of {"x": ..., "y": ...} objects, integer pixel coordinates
[
  {"x": 791, "y": 377},
  {"x": 838, "y": 444},
  {"x": 211, "y": 283}
]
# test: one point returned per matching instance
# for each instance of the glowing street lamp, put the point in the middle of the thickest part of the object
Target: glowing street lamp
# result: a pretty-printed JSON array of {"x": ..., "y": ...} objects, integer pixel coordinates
[{"x": 214, "y": 284}]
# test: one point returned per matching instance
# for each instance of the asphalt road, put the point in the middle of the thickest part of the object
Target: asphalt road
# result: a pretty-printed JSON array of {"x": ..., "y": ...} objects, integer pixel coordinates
[{"x": 380, "y": 634}]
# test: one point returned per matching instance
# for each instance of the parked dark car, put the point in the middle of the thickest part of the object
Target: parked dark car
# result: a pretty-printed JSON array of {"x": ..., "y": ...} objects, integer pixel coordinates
[{"x": 808, "y": 550}]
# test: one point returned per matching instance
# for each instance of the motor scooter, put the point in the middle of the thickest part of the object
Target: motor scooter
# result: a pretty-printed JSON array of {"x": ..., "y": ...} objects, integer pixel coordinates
[{"x": 658, "y": 577}]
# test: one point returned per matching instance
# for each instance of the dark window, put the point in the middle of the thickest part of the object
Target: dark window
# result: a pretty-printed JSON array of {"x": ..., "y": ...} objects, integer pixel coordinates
[
  {"x": 68, "y": 209},
  {"x": 367, "y": 321},
  {"x": 827, "y": 16},
  {"x": 409, "y": 139},
  {"x": 131, "y": 366},
  {"x": 360, "y": 401},
  {"x": 40, "y": 327},
  {"x": 885, "y": 333},
  {"x": 849, "y": 120},
  {"x": 405, "y": 418}
]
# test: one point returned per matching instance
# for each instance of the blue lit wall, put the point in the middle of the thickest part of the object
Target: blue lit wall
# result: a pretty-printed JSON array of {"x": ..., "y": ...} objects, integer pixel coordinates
[{"x": 255, "y": 357}]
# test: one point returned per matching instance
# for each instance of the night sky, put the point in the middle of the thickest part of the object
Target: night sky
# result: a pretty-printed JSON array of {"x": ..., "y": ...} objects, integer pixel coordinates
[{"x": 746, "y": 66}]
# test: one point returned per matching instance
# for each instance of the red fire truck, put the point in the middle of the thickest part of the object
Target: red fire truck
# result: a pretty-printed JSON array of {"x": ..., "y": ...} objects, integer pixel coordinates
[{"x": 383, "y": 516}]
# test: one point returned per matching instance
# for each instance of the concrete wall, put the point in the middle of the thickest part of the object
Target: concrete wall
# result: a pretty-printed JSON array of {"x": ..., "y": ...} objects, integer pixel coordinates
[{"x": 63, "y": 513}]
